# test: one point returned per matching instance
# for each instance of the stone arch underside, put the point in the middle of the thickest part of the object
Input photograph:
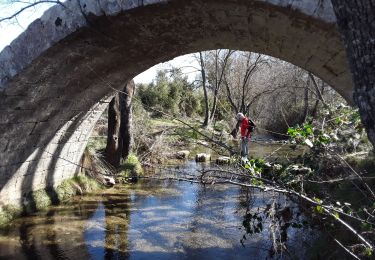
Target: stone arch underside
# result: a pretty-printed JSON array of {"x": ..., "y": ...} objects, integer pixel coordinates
[{"x": 57, "y": 77}]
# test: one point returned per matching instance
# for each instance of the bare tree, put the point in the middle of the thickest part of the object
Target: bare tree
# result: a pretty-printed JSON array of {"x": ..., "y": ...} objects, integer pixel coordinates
[
  {"x": 23, "y": 6},
  {"x": 212, "y": 66},
  {"x": 219, "y": 61},
  {"x": 319, "y": 93},
  {"x": 202, "y": 64},
  {"x": 238, "y": 79}
]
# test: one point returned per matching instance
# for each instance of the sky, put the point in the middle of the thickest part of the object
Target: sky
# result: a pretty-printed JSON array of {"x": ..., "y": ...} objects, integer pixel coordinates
[{"x": 9, "y": 30}]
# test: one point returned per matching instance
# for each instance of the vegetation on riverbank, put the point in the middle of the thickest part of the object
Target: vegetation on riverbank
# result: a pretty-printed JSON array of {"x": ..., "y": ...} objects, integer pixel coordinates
[
  {"x": 168, "y": 116},
  {"x": 130, "y": 169},
  {"x": 332, "y": 184},
  {"x": 41, "y": 199}
]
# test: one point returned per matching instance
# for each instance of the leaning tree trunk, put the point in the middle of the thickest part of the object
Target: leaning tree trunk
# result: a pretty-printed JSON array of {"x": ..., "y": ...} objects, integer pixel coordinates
[
  {"x": 207, "y": 109},
  {"x": 356, "y": 22},
  {"x": 113, "y": 149},
  {"x": 119, "y": 126}
]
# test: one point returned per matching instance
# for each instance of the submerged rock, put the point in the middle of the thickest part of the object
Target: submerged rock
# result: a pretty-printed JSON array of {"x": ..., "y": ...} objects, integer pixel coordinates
[{"x": 203, "y": 157}]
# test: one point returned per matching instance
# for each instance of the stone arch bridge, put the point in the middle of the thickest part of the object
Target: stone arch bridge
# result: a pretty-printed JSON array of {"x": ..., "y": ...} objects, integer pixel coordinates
[{"x": 56, "y": 78}]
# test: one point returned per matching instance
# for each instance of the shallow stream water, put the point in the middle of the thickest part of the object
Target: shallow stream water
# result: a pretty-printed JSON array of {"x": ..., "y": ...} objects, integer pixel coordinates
[{"x": 155, "y": 220}]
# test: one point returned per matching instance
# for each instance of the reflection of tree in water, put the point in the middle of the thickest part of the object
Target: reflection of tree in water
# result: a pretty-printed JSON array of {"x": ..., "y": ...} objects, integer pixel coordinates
[
  {"x": 117, "y": 220},
  {"x": 278, "y": 216},
  {"x": 211, "y": 203},
  {"x": 55, "y": 234},
  {"x": 198, "y": 207},
  {"x": 27, "y": 244},
  {"x": 245, "y": 199}
]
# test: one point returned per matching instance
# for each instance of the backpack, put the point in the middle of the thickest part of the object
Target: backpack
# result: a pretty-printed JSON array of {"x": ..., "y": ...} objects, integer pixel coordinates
[{"x": 251, "y": 126}]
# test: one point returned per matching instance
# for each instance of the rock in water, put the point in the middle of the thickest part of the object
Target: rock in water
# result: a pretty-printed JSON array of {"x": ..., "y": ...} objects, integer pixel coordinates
[
  {"x": 223, "y": 160},
  {"x": 202, "y": 157},
  {"x": 110, "y": 181},
  {"x": 182, "y": 154},
  {"x": 202, "y": 143}
]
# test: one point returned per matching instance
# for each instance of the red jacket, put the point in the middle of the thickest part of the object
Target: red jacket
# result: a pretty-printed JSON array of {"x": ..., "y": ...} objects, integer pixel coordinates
[{"x": 244, "y": 127}]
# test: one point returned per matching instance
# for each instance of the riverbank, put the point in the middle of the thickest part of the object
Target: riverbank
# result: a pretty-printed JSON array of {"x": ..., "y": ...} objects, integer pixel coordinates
[{"x": 41, "y": 200}]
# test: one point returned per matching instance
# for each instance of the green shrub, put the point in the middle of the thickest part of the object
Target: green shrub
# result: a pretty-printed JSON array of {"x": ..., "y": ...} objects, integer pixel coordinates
[
  {"x": 131, "y": 167},
  {"x": 170, "y": 93}
]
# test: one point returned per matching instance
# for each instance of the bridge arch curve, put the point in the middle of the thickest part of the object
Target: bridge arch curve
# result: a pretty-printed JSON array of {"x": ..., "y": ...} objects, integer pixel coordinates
[{"x": 56, "y": 78}]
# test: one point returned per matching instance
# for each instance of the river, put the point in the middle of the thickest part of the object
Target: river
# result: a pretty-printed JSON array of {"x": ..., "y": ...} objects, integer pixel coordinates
[{"x": 160, "y": 220}]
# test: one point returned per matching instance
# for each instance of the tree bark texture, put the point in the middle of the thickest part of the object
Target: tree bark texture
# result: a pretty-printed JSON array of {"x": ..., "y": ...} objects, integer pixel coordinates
[
  {"x": 119, "y": 138},
  {"x": 113, "y": 135},
  {"x": 356, "y": 22},
  {"x": 126, "y": 119}
]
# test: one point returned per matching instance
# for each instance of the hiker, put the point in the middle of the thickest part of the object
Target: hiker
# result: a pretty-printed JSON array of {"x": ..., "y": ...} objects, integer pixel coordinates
[{"x": 246, "y": 126}]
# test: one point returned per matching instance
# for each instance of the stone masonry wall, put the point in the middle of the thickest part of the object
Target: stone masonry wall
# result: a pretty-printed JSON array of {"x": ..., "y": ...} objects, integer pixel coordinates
[
  {"x": 51, "y": 164},
  {"x": 55, "y": 75}
]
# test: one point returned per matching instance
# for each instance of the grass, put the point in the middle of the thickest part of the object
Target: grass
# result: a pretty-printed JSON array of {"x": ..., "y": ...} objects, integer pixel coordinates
[
  {"x": 162, "y": 122},
  {"x": 131, "y": 167},
  {"x": 97, "y": 143},
  {"x": 221, "y": 126}
]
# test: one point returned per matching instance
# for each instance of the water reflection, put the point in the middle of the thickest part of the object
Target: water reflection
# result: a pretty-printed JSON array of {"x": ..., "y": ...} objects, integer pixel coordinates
[{"x": 153, "y": 220}]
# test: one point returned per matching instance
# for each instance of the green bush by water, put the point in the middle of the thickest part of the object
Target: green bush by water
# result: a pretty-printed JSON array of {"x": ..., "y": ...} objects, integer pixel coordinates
[{"x": 131, "y": 167}]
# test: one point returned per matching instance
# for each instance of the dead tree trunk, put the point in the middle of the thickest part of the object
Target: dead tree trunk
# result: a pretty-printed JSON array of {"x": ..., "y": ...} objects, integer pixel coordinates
[
  {"x": 119, "y": 137},
  {"x": 355, "y": 19}
]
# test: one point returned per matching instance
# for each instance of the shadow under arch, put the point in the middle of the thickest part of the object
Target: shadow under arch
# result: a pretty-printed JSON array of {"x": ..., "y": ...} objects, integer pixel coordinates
[{"x": 89, "y": 63}]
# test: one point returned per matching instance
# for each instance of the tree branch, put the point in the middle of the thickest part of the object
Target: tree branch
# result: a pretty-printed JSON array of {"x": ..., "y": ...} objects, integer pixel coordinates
[{"x": 30, "y": 6}]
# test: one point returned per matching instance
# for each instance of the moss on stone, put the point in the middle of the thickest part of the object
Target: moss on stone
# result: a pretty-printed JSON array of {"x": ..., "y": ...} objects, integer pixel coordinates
[
  {"x": 87, "y": 183},
  {"x": 66, "y": 190},
  {"x": 8, "y": 213},
  {"x": 40, "y": 200}
]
